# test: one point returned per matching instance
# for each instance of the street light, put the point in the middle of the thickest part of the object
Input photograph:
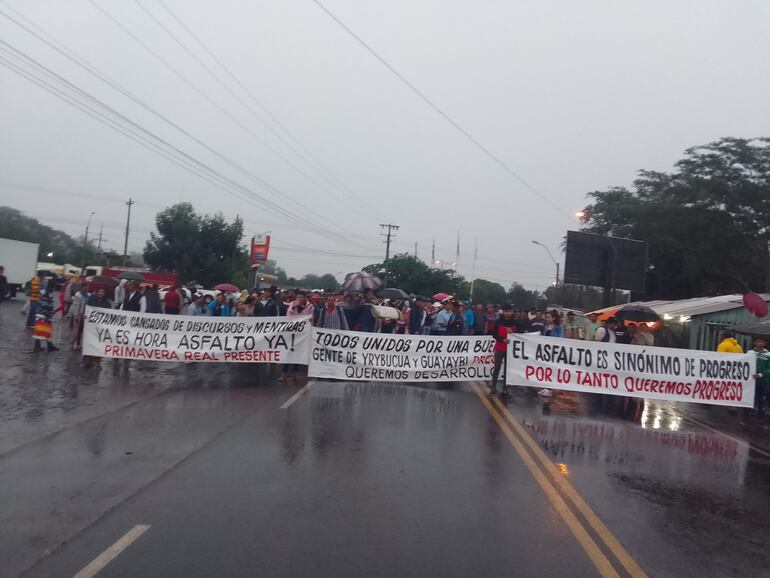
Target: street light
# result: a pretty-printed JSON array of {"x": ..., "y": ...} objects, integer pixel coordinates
[
  {"x": 49, "y": 255},
  {"x": 555, "y": 262},
  {"x": 581, "y": 215}
]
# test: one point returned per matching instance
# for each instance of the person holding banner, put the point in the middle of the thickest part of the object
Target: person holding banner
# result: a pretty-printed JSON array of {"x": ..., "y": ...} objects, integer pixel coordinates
[
  {"x": 552, "y": 328},
  {"x": 299, "y": 307},
  {"x": 502, "y": 327},
  {"x": 762, "y": 380}
]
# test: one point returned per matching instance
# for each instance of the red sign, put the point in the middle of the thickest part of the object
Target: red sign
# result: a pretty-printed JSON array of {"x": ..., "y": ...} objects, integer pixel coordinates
[{"x": 260, "y": 246}]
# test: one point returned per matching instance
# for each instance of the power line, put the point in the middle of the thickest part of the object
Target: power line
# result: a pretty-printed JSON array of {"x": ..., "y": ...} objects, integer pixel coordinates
[
  {"x": 441, "y": 113},
  {"x": 215, "y": 77},
  {"x": 109, "y": 116},
  {"x": 38, "y": 189},
  {"x": 72, "y": 56},
  {"x": 310, "y": 157}
]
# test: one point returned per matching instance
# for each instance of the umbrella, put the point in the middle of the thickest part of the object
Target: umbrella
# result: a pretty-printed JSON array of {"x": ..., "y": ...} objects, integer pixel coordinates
[
  {"x": 392, "y": 293},
  {"x": 441, "y": 296},
  {"x": 360, "y": 282},
  {"x": 638, "y": 313},
  {"x": 131, "y": 276},
  {"x": 755, "y": 305},
  {"x": 227, "y": 287},
  {"x": 104, "y": 281}
]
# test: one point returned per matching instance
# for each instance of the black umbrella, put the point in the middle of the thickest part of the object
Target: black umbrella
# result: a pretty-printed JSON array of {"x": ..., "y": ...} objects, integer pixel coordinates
[
  {"x": 392, "y": 293},
  {"x": 637, "y": 313},
  {"x": 360, "y": 282}
]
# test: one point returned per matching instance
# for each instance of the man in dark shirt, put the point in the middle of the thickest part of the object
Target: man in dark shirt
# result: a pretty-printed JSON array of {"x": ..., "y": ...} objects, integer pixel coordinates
[
  {"x": 268, "y": 305},
  {"x": 537, "y": 324}
]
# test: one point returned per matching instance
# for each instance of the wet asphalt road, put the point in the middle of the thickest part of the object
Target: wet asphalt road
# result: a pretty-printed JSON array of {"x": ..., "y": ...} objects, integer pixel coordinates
[{"x": 359, "y": 479}]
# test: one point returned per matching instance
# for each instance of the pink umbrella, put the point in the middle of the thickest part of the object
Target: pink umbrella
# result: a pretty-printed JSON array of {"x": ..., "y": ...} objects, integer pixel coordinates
[
  {"x": 441, "y": 296},
  {"x": 227, "y": 287},
  {"x": 755, "y": 304}
]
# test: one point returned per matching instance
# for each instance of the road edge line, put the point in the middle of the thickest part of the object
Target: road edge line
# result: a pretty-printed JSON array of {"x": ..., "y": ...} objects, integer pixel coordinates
[
  {"x": 591, "y": 548},
  {"x": 622, "y": 555},
  {"x": 298, "y": 394},
  {"x": 100, "y": 562}
]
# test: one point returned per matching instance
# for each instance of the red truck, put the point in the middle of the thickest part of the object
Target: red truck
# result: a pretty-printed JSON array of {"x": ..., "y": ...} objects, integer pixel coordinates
[{"x": 150, "y": 277}]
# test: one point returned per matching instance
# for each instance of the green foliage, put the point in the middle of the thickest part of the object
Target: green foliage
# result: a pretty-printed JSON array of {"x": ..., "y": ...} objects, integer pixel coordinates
[
  {"x": 412, "y": 275},
  {"x": 240, "y": 280},
  {"x": 202, "y": 248},
  {"x": 270, "y": 267},
  {"x": 575, "y": 297},
  {"x": 488, "y": 292},
  {"x": 327, "y": 282},
  {"x": 522, "y": 298},
  {"x": 17, "y": 226},
  {"x": 707, "y": 223}
]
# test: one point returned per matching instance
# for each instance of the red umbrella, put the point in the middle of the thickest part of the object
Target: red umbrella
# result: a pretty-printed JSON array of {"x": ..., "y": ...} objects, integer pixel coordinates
[
  {"x": 441, "y": 296},
  {"x": 755, "y": 304},
  {"x": 228, "y": 287}
]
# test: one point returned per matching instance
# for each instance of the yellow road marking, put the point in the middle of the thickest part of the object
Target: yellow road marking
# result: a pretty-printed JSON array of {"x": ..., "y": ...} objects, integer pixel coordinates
[
  {"x": 604, "y": 533},
  {"x": 297, "y": 395},
  {"x": 98, "y": 563},
  {"x": 601, "y": 562}
]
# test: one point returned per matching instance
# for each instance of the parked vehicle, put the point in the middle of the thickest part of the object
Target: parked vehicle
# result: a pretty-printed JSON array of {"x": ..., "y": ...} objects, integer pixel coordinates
[{"x": 20, "y": 262}]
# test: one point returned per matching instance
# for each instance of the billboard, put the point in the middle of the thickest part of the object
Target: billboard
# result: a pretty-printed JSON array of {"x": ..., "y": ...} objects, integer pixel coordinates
[
  {"x": 605, "y": 261},
  {"x": 260, "y": 247}
]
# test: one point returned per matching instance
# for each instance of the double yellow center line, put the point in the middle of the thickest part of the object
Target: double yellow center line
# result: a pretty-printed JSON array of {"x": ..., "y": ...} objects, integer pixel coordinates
[{"x": 558, "y": 490}]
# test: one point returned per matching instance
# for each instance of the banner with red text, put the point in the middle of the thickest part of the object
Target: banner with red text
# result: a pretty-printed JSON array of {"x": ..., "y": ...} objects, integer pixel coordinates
[
  {"x": 354, "y": 356},
  {"x": 156, "y": 337},
  {"x": 631, "y": 370}
]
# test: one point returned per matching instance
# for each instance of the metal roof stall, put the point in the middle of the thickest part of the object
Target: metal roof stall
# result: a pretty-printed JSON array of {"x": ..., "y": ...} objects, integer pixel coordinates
[{"x": 697, "y": 323}]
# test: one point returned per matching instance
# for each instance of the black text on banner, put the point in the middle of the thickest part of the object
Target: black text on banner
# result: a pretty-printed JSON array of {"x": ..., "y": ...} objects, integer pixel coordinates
[
  {"x": 355, "y": 356},
  {"x": 632, "y": 370},
  {"x": 156, "y": 337}
]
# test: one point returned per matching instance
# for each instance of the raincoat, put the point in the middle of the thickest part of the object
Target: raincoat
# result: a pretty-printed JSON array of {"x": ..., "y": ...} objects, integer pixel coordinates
[{"x": 729, "y": 345}]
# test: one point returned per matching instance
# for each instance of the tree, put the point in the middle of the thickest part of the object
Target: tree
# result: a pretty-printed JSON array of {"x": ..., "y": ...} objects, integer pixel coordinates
[
  {"x": 488, "y": 292},
  {"x": 17, "y": 226},
  {"x": 270, "y": 267},
  {"x": 202, "y": 248},
  {"x": 575, "y": 297},
  {"x": 707, "y": 223},
  {"x": 522, "y": 298},
  {"x": 412, "y": 275}
]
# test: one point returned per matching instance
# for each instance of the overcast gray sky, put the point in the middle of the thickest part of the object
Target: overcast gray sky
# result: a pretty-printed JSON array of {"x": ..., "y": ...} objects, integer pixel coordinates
[{"x": 572, "y": 96}]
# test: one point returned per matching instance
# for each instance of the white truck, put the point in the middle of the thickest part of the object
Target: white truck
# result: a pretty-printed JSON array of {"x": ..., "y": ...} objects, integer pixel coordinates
[{"x": 20, "y": 262}]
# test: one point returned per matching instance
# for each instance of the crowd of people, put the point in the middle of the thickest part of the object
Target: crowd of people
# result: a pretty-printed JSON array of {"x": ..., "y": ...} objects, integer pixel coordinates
[{"x": 366, "y": 312}]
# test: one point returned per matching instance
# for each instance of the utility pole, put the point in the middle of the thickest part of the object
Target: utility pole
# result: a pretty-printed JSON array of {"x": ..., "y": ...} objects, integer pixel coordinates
[
  {"x": 85, "y": 239},
  {"x": 388, "y": 236},
  {"x": 101, "y": 230},
  {"x": 128, "y": 228},
  {"x": 475, "y": 256},
  {"x": 415, "y": 249},
  {"x": 457, "y": 253},
  {"x": 433, "y": 253}
]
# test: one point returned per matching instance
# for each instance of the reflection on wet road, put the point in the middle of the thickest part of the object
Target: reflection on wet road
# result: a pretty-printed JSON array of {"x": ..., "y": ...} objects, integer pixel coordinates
[{"x": 361, "y": 478}]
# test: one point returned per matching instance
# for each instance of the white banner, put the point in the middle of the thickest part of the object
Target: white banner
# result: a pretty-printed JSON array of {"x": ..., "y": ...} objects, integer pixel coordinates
[
  {"x": 156, "y": 337},
  {"x": 631, "y": 370},
  {"x": 354, "y": 356}
]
